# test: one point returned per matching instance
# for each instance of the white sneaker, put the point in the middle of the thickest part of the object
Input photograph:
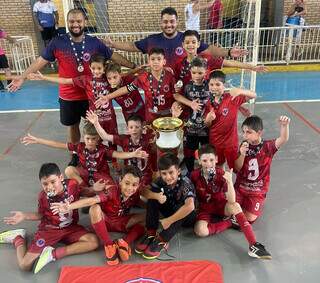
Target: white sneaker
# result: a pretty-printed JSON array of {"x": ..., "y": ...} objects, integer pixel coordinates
[
  {"x": 7, "y": 237},
  {"x": 44, "y": 258}
]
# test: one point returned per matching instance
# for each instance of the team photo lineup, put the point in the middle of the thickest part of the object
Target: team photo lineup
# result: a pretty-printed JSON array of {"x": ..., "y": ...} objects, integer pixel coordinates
[{"x": 144, "y": 184}]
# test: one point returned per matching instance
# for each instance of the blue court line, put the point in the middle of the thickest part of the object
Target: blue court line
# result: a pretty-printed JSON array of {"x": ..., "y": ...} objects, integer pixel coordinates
[{"x": 277, "y": 86}]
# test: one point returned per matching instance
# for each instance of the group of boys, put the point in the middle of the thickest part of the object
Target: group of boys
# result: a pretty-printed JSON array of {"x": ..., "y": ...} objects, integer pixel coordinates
[{"x": 192, "y": 90}]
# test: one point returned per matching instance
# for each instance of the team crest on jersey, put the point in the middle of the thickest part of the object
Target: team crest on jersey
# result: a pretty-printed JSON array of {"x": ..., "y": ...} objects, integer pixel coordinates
[
  {"x": 40, "y": 243},
  {"x": 86, "y": 57},
  {"x": 166, "y": 88},
  {"x": 225, "y": 111},
  {"x": 143, "y": 280},
  {"x": 179, "y": 51}
]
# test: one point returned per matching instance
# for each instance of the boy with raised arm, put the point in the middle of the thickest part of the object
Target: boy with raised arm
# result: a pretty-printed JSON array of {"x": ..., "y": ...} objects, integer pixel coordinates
[
  {"x": 253, "y": 164},
  {"x": 216, "y": 198},
  {"x": 53, "y": 228},
  {"x": 93, "y": 156}
]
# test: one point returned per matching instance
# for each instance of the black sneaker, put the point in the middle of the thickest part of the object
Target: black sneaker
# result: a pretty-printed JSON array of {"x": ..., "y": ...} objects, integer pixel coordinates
[
  {"x": 74, "y": 160},
  {"x": 143, "y": 244},
  {"x": 155, "y": 248},
  {"x": 258, "y": 250}
]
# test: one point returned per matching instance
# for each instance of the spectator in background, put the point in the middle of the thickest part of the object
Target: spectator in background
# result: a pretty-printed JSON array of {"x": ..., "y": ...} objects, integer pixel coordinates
[
  {"x": 295, "y": 16},
  {"x": 215, "y": 18},
  {"x": 192, "y": 14},
  {"x": 46, "y": 18},
  {"x": 3, "y": 59}
]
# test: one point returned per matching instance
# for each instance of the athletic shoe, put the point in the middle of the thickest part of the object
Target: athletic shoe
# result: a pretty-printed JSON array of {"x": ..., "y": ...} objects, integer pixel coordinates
[
  {"x": 7, "y": 237},
  {"x": 258, "y": 250},
  {"x": 124, "y": 249},
  {"x": 111, "y": 254},
  {"x": 45, "y": 258},
  {"x": 143, "y": 244},
  {"x": 155, "y": 248},
  {"x": 74, "y": 160}
]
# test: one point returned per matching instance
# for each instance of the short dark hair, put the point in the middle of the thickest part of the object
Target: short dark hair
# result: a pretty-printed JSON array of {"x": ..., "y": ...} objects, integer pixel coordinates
[
  {"x": 218, "y": 74},
  {"x": 131, "y": 169},
  {"x": 113, "y": 67},
  {"x": 89, "y": 129},
  {"x": 98, "y": 58},
  {"x": 253, "y": 122},
  {"x": 206, "y": 149},
  {"x": 198, "y": 62},
  {"x": 170, "y": 11},
  {"x": 135, "y": 118},
  {"x": 76, "y": 11},
  {"x": 190, "y": 32},
  {"x": 168, "y": 160},
  {"x": 156, "y": 50},
  {"x": 48, "y": 169}
]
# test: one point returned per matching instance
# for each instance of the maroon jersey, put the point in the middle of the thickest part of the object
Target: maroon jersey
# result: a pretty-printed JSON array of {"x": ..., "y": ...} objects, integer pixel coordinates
[
  {"x": 131, "y": 103},
  {"x": 254, "y": 176},
  {"x": 146, "y": 142},
  {"x": 182, "y": 67},
  {"x": 211, "y": 191},
  {"x": 94, "y": 88},
  {"x": 70, "y": 194},
  {"x": 158, "y": 104},
  {"x": 224, "y": 130},
  {"x": 113, "y": 204},
  {"x": 94, "y": 161}
]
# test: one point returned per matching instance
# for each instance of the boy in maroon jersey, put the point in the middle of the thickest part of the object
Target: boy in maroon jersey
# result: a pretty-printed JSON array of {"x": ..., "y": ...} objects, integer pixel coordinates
[
  {"x": 93, "y": 156},
  {"x": 132, "y": 103},
  {"x": 53, "y": 228},
  {"x": 134, "y": 139},
  {"x": 221, "y": 112},
  {"x": 191, "y": 43},
  {"x": 253, "y": 164},
  {"x": 109, "y": 212},
  {"x": 216, "y": 197},
  {"x": 158, "y": 87}
]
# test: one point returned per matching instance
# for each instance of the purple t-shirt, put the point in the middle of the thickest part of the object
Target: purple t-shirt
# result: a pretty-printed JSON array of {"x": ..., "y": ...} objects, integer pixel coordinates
[
  {"x": 172, "y": 47},
  {"x": 60, "y": 49}
]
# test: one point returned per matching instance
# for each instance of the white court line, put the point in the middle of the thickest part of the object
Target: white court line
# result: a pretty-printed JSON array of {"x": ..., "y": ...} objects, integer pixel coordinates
[
  {"x": 38, "y": 110},
  {"x": 118, "y": 107},
  {"x": 287, "y": 101}
]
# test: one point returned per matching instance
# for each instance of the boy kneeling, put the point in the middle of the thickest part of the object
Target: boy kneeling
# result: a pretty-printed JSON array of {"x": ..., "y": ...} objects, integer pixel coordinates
[{"x": 173, "y": 197}]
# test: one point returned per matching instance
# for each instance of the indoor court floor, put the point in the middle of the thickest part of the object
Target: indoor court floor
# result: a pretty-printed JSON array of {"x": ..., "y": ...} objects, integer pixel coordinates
[{"x": 289, "y": 227}]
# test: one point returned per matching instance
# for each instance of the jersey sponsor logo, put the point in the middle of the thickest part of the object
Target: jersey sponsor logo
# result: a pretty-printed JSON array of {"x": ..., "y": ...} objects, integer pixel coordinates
[
  {"x": 86, "y": 57},
  {"x": 40, "y": 243},
  {"x": 166, "y": 88},
  {"x": 143, "y": 280},
  {"x": 225, "y": 111},
  {"x": 179, "y": 51}
]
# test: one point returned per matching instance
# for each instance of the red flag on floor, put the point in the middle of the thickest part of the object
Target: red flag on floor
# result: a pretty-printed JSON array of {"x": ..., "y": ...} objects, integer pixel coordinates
[{"x": 202, "y": 271}]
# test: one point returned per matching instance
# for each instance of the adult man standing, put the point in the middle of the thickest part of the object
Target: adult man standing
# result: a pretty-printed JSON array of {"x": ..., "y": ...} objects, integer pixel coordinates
[
  {"x": 46, "y": 17},
  {"x": 170, "y": 39},
  {"x": 73, "y": 52}
]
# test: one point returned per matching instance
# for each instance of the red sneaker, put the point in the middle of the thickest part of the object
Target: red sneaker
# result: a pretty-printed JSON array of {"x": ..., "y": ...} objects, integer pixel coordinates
[
  {"x": 124, "y": 249},
  {"x": 111, "y": 254}
]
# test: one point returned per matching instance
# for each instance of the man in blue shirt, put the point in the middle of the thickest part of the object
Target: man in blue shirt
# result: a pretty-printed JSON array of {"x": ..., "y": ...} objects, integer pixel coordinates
[
  {"x": 170, "y": 39},
  {"x": 46, "y": 17}
]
